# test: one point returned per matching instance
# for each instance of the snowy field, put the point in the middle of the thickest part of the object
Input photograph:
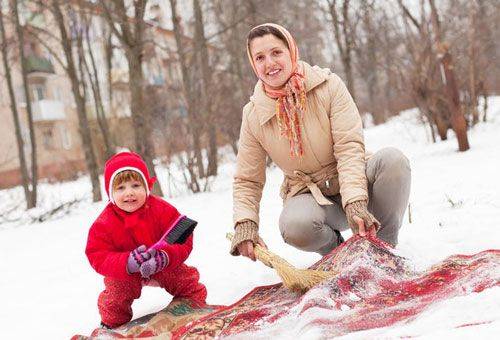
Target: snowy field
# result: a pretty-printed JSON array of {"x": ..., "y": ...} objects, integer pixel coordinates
[{"x": 49, "y": 291}]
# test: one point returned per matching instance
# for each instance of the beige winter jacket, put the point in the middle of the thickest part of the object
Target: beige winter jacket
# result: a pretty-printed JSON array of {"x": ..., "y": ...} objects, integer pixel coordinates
[{"x": 332, "y": 136}]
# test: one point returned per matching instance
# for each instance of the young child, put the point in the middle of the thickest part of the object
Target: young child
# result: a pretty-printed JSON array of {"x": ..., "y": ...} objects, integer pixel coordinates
[{"x": 119, "y": 241}]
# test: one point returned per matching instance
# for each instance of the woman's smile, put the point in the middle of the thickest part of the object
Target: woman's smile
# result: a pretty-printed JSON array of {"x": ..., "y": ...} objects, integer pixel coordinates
[{"x": 273, "y": 72}]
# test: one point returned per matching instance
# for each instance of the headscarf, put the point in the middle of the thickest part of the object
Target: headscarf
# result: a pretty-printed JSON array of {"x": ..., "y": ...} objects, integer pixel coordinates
[{"x": 291, "y": 98}]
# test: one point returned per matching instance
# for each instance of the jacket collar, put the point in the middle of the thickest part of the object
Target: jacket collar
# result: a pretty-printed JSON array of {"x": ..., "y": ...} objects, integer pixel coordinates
[{"x": 266, "y": 106}]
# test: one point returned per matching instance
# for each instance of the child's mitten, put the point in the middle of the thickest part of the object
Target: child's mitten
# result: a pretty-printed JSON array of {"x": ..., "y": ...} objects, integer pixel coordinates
[
  {"x": 137, "y": 257},
  {"x": 156, "y": 263}
]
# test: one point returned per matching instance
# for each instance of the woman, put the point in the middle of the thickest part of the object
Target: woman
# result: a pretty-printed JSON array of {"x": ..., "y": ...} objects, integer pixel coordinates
[{"x": 306, "y": 121}]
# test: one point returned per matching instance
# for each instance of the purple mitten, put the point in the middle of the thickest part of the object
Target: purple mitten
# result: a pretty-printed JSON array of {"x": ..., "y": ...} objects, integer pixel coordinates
[
  {"x": 156, "y": 263},
  {"x": 137, "y": 257}
]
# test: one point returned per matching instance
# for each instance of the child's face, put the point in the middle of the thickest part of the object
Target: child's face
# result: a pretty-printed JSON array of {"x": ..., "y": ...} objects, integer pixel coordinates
[{"x": 129, "y": 195}]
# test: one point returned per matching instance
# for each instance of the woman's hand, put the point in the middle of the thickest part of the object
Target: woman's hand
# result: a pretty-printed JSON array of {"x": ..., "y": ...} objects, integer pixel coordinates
[
  {"x": 246, "y": 234},
  {"x": 362, "y": 230},
  {"x": 360, "y": 219},
  {"x": 247, "y": 248}
]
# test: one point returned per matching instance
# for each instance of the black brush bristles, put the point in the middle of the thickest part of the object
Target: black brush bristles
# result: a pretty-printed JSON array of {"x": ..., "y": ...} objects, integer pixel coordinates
[{"x": 181, "y": 231}]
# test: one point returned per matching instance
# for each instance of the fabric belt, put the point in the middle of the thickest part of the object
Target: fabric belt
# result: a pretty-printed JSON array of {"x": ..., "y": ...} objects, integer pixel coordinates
[
  {"x": 313, "y": 187},
  {"x": 311, "y": 182}
]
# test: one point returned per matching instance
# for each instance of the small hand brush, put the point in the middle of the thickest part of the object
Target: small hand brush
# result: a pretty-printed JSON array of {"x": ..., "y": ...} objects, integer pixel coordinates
[{"x": 178, "y": 232}]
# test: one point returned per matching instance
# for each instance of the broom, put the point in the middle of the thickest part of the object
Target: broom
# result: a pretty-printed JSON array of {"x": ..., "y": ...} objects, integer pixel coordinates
[{"x": 295, "y": 279}]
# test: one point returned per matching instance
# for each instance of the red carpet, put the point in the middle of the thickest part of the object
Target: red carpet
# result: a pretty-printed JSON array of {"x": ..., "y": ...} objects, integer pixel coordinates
[{"x": 375, "y": 288}]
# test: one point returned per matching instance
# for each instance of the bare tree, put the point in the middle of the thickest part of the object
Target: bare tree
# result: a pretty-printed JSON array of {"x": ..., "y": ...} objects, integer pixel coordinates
[
  {"x": 481, "y": 56},
  {"x": 488, "y": 13},
  {"x": 95, "y": 84},
  {"x": 343, "y": 31},
  {"x": 79, "y": 96},
  {"x": 473, "y": 67},
  {"x": 388, "y": 44},
  {"x": 431, "y": 74},
  {"x": 367, "y": 59},
  {"x": 108, "y": 57},
  {"x": 29, "y": 185},
  {"x": 29, "y": 111},
  {"x": 201, "y": 50},
  {"x": 234, "y": 19},
  {"x": 457, "y": 118},
  {"x": 130, "y": 31},
  {"x": 194, "y": 120}
]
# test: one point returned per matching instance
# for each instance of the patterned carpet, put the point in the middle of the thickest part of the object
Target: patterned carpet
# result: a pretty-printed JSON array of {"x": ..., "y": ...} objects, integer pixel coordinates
[{"x": 374, "y": 288}]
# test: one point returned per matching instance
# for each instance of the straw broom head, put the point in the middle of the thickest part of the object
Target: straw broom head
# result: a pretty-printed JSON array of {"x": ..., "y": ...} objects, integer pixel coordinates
[{"x": 293, "y": 278}]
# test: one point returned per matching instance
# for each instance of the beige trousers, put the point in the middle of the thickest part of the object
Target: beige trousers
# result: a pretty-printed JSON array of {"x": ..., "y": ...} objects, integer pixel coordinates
[{"x": 309, "y": 226}]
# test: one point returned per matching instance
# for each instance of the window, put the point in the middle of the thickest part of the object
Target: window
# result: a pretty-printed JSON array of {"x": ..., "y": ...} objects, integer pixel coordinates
[
  {"x": 38, "y": 91},
  {"x": 47, "y": 139},
  {"x": 56, "y": 93},
  {"x": 65, "y": 137}
]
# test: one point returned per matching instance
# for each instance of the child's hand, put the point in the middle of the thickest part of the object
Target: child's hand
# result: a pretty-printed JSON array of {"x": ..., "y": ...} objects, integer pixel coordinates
[
  {"x": 156, "y": 263},
  {"x": 137, "y": 257}
]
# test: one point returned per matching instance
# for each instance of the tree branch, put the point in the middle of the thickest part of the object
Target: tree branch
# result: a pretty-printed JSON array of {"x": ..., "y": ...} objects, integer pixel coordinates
[{"x": 408, "y": 14}]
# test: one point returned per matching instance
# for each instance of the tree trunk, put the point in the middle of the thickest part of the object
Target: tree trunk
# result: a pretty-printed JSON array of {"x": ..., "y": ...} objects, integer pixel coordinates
[
  {"x": 389, "y": 111},
  {"x": 29, "y": 112},
  {"x": 194, "y": 125},
  {"x": 457, "y": 119},
  {"x": 201, "y": 50},
  {"x": 141, "y": 118},
  {"x": 421, "y": 101},
  {"x": 348, "y": 38},
  {"x": 472, "y": 64},
  {"x": 252, "y": 12},
  {"x": 132, "y": 39},
  {"x": 84, "y": 129},
  {"x": 489, "y": 49},
  {"x": 442, "y": 126},
  {"x": 346, "y": 61},
  {"x": 23, "y": 167},
  {"x": 96, "y": 91},
  {"x": 367, "y": 70},
  {"x": 108, "y": 52},
  {"x": 482, "y": 90},
  {"x": 344, "y": 40}
]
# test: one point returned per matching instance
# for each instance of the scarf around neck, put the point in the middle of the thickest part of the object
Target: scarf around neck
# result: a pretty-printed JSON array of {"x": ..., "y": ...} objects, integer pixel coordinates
[{"x": 291, "y": 98}]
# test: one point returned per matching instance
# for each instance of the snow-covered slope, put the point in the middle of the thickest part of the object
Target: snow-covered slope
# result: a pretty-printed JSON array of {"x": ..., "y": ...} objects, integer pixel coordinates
[{"x": 48, "y": 290}]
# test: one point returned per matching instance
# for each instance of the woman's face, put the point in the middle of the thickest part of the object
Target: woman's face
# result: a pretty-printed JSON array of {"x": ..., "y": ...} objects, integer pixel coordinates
[{"x": 272, "y": 60}]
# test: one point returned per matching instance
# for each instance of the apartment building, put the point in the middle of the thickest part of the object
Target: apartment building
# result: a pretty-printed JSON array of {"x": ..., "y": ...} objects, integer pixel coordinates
[{"x": 59, "y": 150}]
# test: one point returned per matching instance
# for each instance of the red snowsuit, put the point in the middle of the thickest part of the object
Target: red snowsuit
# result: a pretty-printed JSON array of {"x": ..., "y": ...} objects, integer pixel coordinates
[{"x": 114, "y": 234}]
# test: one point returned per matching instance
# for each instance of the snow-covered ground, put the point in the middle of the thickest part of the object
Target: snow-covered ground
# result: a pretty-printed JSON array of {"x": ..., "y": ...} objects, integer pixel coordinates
[{"x": 49, "y": 291}]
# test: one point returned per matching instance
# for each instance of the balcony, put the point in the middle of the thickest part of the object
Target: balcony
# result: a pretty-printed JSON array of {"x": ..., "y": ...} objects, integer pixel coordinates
[
  {"x": 44, "y": 110},
  {"x": 38, "y": 64}
]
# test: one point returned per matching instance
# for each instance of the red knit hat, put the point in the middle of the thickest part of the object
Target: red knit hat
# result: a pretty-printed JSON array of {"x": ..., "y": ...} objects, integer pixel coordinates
[{"x": 126, "y": 161}]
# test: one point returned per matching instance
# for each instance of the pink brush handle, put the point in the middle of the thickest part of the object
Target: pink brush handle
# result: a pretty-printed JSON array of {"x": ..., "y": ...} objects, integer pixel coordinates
[{"x": 158, "y": 245}]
